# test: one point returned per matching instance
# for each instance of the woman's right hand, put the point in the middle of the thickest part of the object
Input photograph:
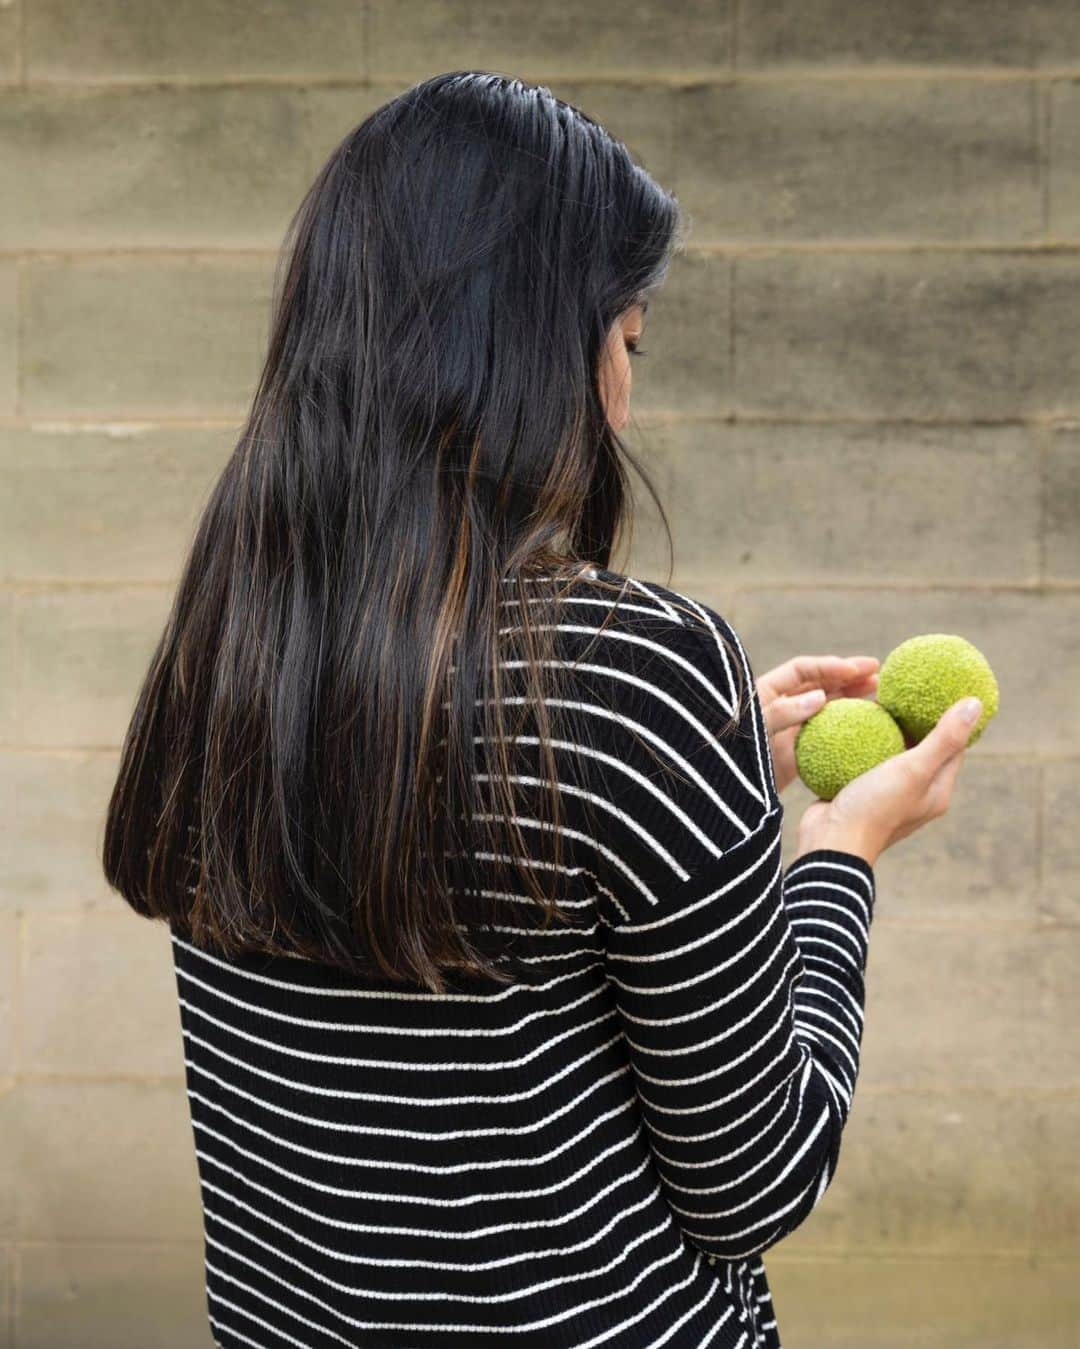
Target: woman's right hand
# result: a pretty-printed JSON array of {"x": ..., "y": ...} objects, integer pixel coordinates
[{"x": 893, "y": 799}]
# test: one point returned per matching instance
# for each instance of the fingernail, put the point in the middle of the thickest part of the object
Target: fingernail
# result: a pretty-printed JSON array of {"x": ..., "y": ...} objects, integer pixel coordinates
[
  {"x": 813, "y": 698},
  {"x": 971, "y": 709}
]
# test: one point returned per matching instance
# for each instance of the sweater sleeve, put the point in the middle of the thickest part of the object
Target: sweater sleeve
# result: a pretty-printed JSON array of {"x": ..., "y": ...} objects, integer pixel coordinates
[{"x": 739, "y": 988}]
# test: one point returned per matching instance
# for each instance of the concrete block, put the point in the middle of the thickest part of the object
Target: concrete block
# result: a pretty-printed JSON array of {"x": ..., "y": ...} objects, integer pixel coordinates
[
  {"x": 977, "y": 863},
  {"x": 82, "y": 657},
  {"x": 69, "y": 1137},
  {"x": 925, "y": 1302},
  {"x": 1031, "y": 639},
  {"x": 1060, "y": 842},
  {"x": 150, "y": 1295},
  {"x": 922, "y": 335},
  {"x": 995, "y": 33},
  {"x": 142, "y": 335},
  {"x": 1063, "y": 152},
  {"x": 8, "y": 1136},
  {"x": 1061, "y": 993},
  {"x": 99, "y": 996},
  {"x": 1062, "y": 505},
  {"x": 109, "y": 503},
  {"x": 50, "y": 857},
  {"x": 7, "y": 1296},
  {"x": 935, "y": 503},
  {"x": 687, "y": 337},
  {"x": 9, "y": 71},
  {"x": 835, "y": 159},
  {"x": 645, "y": 552},
  {"x": 7, "y": 665},
  {"x": 330, "y": 113},
  {"x": 1057, "y": 1188},
  {"x": 9, "y": 983},
  {"x": 106, "y": 39},
  {"x": 189, "y": 167},
  {"x": 534, "y": 42},
  {"x": 9, "y": 327},
  {"x": 929, "y": 1171},
  {"x": 965, "y": 1008}
]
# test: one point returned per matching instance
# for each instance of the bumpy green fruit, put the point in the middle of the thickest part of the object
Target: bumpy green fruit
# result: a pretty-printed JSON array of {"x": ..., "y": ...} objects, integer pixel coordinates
[
  {"x": 847, "y": 737},
  {"x": 922, "y": 678}
]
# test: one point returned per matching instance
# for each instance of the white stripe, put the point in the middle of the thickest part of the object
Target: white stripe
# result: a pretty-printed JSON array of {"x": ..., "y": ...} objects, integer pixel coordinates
[
  {"x": 435, "y": 1201},
  {"x": 716, "y": 1100},
  {"x": 427, "y": 1135},
  {"x": 802, "y": 864},
  {"x": 305, "y": 990},
  {"x": 813, "y": 939},
  {"x": 619, "y": 607},
  {"x": 713, "y": 1214},
  {"x": 806, "y": 989},
  {"x": 706, "y": 1008},
  {"x": 436, "y": 1295},
  {"x": 236, "y": 1334},
  {"x": 712, "y": 1073},
  {"x": 379, "y": 1164},
  {"x": 642, "y": 781},
  {"x": 639, "y": 728},
  {"x": 761, "y": 743},
  {"x": 823, "y": 904},
  {"x": 259, "y": 1321},
  {"x": 436, "y": 1234},
  {"x": 745, "y": 909},
  {"x": 418, "y": 1101},
  {"x": 656, "y": 1132},
  {"x": 819, "y": 1033},
  {"x": 382, "y": 1028},
  {"x": 516, "y": 1328},
  {"x": 608, "y": 853},
  {"x": 620, "y": 1214},
  {"x": 745, "y": 1231},
  {"x": 668, "y": 608},
  {"x": 809, "y": 1010},
  {"x": 730, "y": 1029},
  {"x": 401, "y": 1065},
  {"x": 716, "y": 1159},
  {"x": 740, "y": 1178}
]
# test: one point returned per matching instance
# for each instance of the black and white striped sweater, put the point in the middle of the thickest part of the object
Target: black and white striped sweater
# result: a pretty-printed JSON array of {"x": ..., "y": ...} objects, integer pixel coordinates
[{"x": 602, "y": 1155}]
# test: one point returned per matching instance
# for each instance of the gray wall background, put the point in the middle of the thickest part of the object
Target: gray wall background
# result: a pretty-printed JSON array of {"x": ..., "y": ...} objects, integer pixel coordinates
[{"x": 865, "y": 367}]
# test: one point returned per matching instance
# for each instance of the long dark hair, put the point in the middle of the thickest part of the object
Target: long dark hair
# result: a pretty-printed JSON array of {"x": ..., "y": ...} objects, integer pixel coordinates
[{"x": 298, "y": 775}]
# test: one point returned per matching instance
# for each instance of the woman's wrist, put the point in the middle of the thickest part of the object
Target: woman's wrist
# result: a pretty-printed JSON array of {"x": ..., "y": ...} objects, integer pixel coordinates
[{"x": 838, "y": 840}]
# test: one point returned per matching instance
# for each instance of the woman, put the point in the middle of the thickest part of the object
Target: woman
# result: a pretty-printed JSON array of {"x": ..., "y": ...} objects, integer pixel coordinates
[{"x": 502, "y": 1021}]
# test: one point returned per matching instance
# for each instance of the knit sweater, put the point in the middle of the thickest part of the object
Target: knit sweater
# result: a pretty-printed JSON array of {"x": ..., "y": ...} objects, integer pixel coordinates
[{"x": 600, "y": 1154}]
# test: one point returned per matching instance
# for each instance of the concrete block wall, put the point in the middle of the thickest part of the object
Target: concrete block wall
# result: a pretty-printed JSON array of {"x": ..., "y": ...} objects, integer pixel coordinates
[{"x": 861, "y": 403}]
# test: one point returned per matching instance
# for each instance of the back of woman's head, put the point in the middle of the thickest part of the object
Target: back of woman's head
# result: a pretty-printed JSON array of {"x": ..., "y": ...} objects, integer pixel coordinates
[{"x": 427, "y": 430}]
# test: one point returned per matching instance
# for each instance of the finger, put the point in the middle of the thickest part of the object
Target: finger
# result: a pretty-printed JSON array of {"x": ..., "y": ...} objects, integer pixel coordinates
[
  {"x": 828, "y": 672},
  {"x": 860, "y": 687},
  {"x": 945, "y": 779},
  {"x": 950, "y": 736},
  {"x": 785, "y": 712}
]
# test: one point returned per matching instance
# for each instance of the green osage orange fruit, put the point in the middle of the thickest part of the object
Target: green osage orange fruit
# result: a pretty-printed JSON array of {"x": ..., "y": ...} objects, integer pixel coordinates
[
  {"x": 924, "y": 676},
  {"x": 847, "y": 737}
]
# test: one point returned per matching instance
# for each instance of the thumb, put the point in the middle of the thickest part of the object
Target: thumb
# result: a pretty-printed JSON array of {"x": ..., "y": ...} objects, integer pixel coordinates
[{"x": 951, "y": 734}]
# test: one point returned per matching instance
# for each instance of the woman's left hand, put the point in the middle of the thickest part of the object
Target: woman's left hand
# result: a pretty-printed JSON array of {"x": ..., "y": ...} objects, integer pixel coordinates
[{"x": 817, "y": 678}]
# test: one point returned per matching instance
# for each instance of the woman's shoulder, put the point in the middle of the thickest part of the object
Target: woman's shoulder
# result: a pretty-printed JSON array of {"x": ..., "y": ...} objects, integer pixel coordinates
[
  {"x": 660, "y": 610},
  {"x": 668, "y": 646},
  {"x": 661, "y": 641}
]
